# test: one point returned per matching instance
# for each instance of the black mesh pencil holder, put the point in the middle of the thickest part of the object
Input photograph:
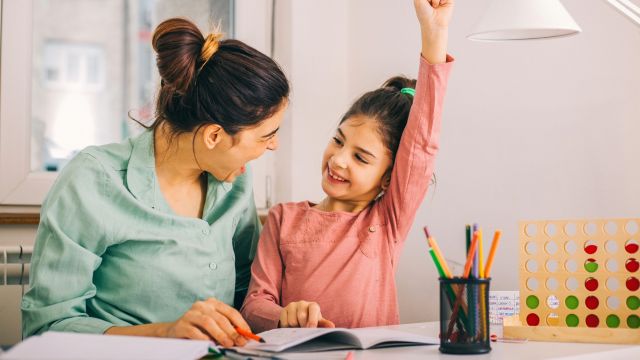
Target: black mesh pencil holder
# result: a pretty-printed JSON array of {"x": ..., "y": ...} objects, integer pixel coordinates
[{"x": 464, "y": 316}]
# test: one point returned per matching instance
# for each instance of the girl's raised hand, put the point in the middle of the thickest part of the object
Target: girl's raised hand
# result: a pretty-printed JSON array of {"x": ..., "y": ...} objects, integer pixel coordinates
[{"x": 433, "y": 14}]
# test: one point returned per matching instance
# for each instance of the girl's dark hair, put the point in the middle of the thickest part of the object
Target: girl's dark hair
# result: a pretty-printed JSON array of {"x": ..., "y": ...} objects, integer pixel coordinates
[
  {"x": 236, "y": 87},
  {"x": 389, "y": 107}
]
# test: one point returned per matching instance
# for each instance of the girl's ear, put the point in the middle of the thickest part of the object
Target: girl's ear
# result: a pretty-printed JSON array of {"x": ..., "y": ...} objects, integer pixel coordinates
[
  {"x": 212, "y": 135},
  {"x": 386, "y": 179}
]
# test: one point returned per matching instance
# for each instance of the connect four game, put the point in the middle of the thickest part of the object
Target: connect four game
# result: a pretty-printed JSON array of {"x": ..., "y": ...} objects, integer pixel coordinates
[{"x": 579, "y": 281}]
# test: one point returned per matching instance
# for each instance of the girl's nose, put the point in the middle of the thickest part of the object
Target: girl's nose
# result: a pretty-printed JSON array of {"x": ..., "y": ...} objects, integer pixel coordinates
[{"x": 339, "y": 160}]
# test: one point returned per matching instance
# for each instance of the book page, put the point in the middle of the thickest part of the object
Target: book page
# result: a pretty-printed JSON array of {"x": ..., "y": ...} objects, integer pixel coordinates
[
  {"x": 318, "y": 339},
  {"x": 284, "y": 338},
  {"x": 377, "y": 337}
]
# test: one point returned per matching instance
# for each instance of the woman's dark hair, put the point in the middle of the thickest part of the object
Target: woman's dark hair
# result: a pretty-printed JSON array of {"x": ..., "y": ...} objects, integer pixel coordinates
[
  {"x": 207, "y": 81},
  {"x": 389, "y": 107}
]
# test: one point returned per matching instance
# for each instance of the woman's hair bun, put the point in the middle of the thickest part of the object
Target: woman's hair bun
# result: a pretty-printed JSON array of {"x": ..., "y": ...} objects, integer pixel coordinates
[{"x": 178, "y": 43}]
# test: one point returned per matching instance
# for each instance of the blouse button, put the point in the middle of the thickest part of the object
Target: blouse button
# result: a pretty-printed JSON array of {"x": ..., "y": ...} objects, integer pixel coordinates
[
  {"x": 372, "y": 229},
  {"x": 213, "y": 266},
  {"x": 205, "y": 231}
]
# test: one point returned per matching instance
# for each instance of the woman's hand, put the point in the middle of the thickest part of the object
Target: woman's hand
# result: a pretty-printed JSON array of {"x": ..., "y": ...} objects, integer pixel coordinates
[
  {"x": 433, "y": 14},
  {"x": 303, "y": 314},
  {"x": 209, "y": 320}
]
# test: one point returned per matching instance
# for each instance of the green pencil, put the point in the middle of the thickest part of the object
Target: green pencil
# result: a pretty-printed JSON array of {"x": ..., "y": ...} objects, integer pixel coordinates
[{"x": 450, "y": 293}]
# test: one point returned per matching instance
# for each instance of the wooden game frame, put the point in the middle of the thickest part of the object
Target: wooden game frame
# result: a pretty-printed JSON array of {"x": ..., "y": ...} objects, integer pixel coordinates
[{"x": 559, "y": 232}]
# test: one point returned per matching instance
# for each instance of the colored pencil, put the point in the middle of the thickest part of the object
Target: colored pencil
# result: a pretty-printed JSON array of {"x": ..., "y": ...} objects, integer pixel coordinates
[
  {"x": 470, "y": 256},
  {"x": 469, "y": 293},
  {"x": 468, "y": 236},
  {"x": 434, "y": 245},
  {"x": 480, "y": 255},
  {"x": 426, "y": 232},
  {"x": 492, "y": 252},
  {"x": 450, "y": 293},
  {"x": 465, "y": 275},
  {"x": 438, "y": 264}
]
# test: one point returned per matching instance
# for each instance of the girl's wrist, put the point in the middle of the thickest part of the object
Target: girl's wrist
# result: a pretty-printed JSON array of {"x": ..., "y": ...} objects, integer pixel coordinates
[{"x": 434, "y": 31}]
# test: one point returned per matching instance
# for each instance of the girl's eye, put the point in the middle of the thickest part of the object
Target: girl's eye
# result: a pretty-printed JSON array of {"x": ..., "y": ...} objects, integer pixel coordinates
[
  {"x": 361, "y": 159},
  {"x": 337, "y": 141}
]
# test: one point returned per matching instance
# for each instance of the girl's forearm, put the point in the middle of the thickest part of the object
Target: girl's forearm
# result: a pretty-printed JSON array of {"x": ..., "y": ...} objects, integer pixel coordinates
[{"x": 434, "y": 45}]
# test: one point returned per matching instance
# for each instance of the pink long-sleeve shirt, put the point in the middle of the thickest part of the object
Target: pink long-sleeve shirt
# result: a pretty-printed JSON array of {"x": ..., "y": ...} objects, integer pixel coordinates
[{"x": 344, "y": 261}]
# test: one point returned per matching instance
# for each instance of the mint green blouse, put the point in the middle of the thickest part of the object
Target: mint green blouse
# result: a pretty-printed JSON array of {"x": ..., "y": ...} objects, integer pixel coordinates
[{"x": 110, "y": 251}]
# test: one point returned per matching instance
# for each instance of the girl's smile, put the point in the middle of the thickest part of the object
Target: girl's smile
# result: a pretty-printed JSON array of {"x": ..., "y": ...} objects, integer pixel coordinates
[{"x": 333, "y": 178}]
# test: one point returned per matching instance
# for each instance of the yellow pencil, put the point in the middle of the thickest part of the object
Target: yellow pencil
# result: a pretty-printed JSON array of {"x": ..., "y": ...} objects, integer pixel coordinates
[
  {"x": 492, "y": 252},
  {"x": 480, "y": 255},
  {"x": 436, "y": 250}
]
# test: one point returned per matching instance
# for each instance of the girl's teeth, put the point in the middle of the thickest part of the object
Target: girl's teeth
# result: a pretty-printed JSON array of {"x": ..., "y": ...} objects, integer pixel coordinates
[{"x": 335, "y": 177}]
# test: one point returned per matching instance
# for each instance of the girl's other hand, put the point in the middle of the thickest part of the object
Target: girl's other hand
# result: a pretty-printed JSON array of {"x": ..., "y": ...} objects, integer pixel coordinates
[
  {"x": 303, "y": 314},
  {"x": 433, "y": 14}
]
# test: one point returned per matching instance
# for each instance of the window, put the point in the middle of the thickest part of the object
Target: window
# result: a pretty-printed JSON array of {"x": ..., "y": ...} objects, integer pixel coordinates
[
  {"x": 71, "y": 72},
  {"x": 90, "y": 71}
]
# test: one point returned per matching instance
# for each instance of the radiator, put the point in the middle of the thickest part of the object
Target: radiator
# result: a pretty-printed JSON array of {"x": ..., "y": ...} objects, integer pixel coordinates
[{"x": 14, "y": 264}]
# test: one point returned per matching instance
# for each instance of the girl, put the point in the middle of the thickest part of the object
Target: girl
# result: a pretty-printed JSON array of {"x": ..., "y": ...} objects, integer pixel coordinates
[{"x": 333, "y": 263}]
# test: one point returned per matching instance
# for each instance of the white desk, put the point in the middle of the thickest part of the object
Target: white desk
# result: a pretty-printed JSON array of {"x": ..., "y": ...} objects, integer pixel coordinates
[
  {"x": 83, "y": 346},
  {"x": 521, "y": 351}
]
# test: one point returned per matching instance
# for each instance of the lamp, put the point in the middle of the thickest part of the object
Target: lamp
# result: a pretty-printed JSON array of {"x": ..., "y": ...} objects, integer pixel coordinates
[
  {"x": 506, "y": 20},
  {"x": 524, "y": 19}
]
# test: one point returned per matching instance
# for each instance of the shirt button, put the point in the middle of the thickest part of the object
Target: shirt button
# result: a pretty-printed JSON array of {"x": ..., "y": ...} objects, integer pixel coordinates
[
  {"x": 213, "y": 266},
  {"x": 372, "y": 229},
  {"x": 205, "y": 231}
]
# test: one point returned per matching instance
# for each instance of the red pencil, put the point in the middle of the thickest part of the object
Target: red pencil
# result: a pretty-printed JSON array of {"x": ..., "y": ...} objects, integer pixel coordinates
[
  {"x": 249, "y": 335},
  {"x": 465, "y": 274}
]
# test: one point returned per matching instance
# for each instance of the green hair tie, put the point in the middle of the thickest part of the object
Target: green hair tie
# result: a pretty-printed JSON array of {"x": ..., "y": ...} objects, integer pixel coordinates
[{"x": 409, "y": 91}]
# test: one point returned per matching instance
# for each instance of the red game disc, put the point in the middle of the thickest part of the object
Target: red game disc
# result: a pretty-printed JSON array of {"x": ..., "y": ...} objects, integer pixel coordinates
[
  {"x": 591, "y": 284},
  {"x": 533, "y": 320},
  {"x": 591, "y": 302},
  {"x": 632, "y": 265}
]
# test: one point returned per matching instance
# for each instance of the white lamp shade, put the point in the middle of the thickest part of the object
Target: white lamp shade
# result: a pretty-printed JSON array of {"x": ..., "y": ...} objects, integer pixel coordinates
[{"x": 506, "y": 20}]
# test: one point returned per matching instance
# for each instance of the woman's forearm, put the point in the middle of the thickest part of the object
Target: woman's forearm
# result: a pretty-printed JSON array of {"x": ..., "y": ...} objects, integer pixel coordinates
[{"x": 154, "y": 330}]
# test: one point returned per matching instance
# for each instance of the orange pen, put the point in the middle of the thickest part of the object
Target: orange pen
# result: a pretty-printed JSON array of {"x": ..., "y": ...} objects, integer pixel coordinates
[{"x": 249, "y": 335}]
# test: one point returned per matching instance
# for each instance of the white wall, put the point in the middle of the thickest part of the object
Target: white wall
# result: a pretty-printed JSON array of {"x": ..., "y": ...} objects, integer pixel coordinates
[
  {"x": 533, "y": 130},
  {"x": 312, "y": 46}
]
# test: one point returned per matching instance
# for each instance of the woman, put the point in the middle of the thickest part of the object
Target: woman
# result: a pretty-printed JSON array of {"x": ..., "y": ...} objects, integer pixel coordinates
[{"x": 155, "y": 236}]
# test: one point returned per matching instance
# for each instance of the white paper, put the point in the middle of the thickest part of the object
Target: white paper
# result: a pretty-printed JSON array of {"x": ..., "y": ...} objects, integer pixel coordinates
[
  {"x": 503, "y": 304},
  {"x": 71, "y": 346}
]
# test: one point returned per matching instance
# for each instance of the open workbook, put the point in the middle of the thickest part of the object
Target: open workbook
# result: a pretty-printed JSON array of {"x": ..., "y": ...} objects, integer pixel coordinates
[{"x": 323, "y": 339}]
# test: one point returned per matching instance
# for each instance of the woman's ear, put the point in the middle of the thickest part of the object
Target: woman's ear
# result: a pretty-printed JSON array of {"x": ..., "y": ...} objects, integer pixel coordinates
[{"x": 212, "y": 135}]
